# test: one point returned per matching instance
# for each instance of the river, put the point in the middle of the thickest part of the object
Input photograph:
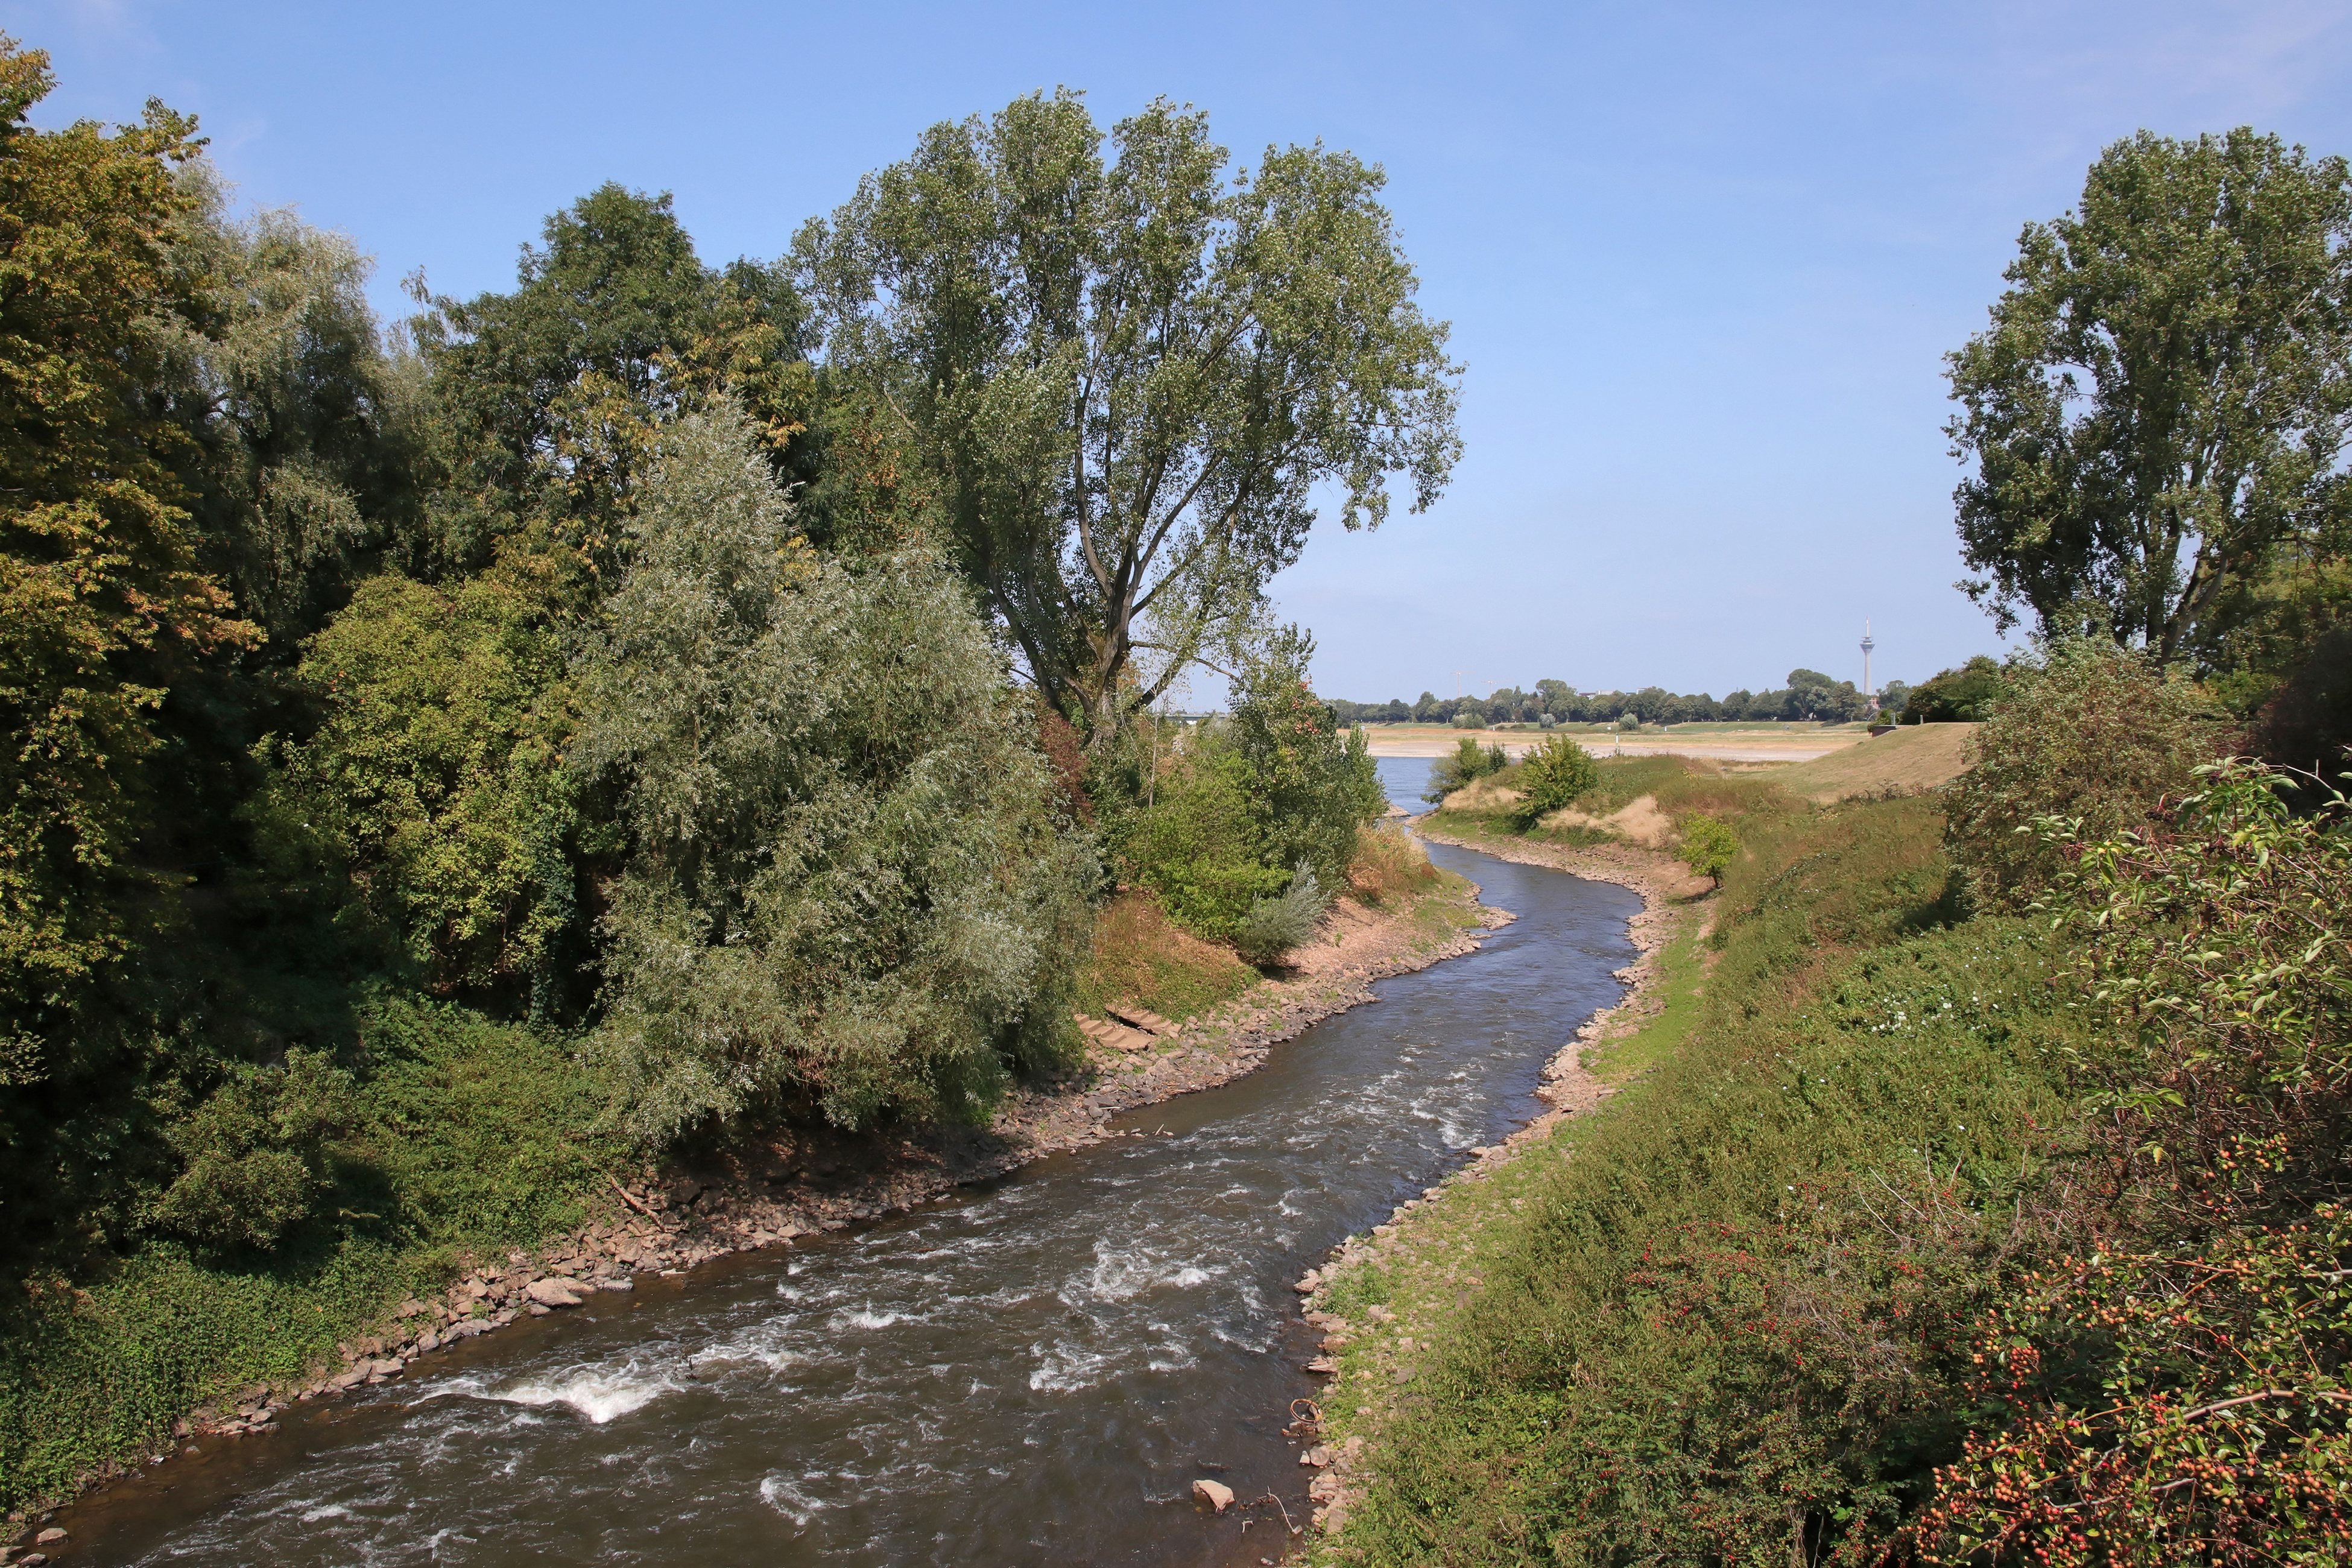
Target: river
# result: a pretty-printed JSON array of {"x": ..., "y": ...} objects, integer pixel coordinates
[{"x": 1031, "y": 1370}]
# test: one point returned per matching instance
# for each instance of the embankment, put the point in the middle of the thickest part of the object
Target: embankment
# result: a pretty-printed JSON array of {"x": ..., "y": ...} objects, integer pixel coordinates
[{"x": 1711, "y": 1314}]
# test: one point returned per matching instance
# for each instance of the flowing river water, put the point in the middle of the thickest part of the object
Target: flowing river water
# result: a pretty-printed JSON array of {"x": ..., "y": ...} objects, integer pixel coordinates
[{"x": 1033, "y": 1371}]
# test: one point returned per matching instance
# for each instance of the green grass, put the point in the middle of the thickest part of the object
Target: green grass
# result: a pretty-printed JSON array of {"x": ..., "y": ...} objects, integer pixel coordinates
[
  {"x": 1681, "y": 982},
  {"x": 1726, "y": 1300}
]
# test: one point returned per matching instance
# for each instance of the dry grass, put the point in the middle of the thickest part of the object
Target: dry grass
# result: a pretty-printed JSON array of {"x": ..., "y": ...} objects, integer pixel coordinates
[
  {"x": 1143, "y": 957},
  {"x": 1914, "y": 758},
  {"x": 1388, "y": 867},
  {"x": 1638, "y": 822}
]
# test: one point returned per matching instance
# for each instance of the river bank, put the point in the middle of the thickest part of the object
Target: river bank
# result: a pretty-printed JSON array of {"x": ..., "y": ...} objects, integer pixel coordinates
[
  {"x": 1670, "y": 911},
  {"x": 813, "y": 1182},
  {"x": 1033, "y": 1368}
]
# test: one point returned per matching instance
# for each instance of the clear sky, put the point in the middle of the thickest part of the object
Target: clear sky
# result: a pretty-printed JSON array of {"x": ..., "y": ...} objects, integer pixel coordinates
[{"x": 1702, "y": 260}]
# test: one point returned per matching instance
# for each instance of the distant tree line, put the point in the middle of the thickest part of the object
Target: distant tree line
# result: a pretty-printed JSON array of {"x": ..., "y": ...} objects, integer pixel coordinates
[{"x": 1808, "y": 695}]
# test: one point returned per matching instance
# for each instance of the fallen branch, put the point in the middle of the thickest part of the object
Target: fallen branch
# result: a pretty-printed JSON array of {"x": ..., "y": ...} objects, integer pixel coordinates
[{"x": 630, "y": 1201}]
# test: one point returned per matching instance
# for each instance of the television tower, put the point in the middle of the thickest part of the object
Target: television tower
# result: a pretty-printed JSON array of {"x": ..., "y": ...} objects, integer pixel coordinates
[{"x": 1867, "y": 689}]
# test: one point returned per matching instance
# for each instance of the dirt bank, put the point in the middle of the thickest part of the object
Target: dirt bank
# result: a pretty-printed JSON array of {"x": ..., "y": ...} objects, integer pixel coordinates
[{"x": 806, "y": 1182}]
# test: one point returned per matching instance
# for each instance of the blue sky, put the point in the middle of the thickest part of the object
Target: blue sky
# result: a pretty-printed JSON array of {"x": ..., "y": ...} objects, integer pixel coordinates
[{"x": 1702, "y": 261}]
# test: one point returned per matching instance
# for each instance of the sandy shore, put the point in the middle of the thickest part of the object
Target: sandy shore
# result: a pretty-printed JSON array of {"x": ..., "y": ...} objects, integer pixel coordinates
[
  {"x": 810, "y": 1181},
  {"x": 1762, "y": 745}
]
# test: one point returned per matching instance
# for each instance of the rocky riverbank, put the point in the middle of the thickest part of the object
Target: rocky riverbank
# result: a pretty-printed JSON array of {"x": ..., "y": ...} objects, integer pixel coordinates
[
  {"x": 811, "y": 1181},
  {"x": 1377, "y": 1344}
]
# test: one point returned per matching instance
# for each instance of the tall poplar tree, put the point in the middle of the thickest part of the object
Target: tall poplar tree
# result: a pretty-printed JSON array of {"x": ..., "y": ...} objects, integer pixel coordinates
[
  {"x": 2161, "y": 401},
  {"x": 1125, "y": 379}
]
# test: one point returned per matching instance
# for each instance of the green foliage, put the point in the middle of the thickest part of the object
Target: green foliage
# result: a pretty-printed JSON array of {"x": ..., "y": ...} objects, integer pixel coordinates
[
  {"x": 1277, "y": 785},
  {"x": 1312, "y": 784},
  {"x": 435, "y": 780},
  {"x": 481, "y": 1134},
  {"x": 1708, "y": 845},
  {"x": 551, "y": 398},
  {"x": 1467, "y": 764},
  {"x": 2180, "y": 1393},
  {"x": 1556, "y": 774},
  {"x": 103, "y": 597},
  {"x": 1123, "y": 381},
  {"x": 846, "y": 890},
  {"x": 1202, "y": 845},
  {"x": 256, "y": 1153},
  {"x": 316, "y": 441},
  {"x": 2094, "y": 733},
  {"x": 466, "y": 1136},
  {"x": 1275, "y": 926},
  {"x": 2160, "y": 402},
  {"x": 1962, "y": 695}
]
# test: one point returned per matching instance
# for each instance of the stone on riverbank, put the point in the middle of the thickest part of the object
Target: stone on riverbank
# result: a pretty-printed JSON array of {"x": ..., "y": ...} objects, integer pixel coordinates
[
  {"x": 1216, "y": 1494},
  {"x": 553, "y": 1292}
]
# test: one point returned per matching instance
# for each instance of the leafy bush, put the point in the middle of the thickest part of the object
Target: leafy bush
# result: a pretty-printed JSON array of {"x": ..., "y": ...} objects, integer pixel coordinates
[
  {"x": 2176, "y": 1394},
  {"x": 256, "y": 1154},
  {"x": 1276, "y": 785},
  {"x": 1963, "y": 696},
  {"x": 1312, "y": 784},
  {"x": 2094, "y": 733},
  {"x": 1465, "y": 765},
  {"x": 1556, "y": 773},
  {"x": 435, "y": 783},
  {"x": 1201, "y": 846},
  {"x": 481, "y": 1133},
  {"x": 848, "y": 889},
  {"x": 1708, "y": 845},
  {"x": 1275, "y": 926},
  {"x": 1629, "y": 722}
]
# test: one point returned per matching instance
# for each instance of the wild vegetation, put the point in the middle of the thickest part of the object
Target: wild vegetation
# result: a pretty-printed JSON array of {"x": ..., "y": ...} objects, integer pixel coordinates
[
  {"x": 632, "y": 713},
  {"x": 1981, "y": 1207}
]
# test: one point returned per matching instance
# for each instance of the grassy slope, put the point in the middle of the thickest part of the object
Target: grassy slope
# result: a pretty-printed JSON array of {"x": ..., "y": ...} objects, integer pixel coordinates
[
  {"x": 1915, "y": 757},
  {"x": 1713, "y": 1312}
]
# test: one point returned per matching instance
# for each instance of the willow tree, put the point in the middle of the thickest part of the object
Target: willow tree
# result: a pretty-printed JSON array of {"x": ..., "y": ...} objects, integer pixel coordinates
[
  {"x": 2159, "y": 405},
  {"x": 1124, "y": 380}
]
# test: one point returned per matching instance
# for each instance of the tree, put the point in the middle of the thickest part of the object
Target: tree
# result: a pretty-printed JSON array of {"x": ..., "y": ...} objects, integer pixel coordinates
[
  {"x": 847, "y": 890},
  {"x": 103, "y": 595},
  {"x": 435, "y": 783},
  {"x": 1708, "y": 846},
  {"x": 1125, "y": 379},
  {"x": 2161, "y": 399},
  {"x": 551, "y": 397},
  {"x": 314, "y": 437},
  {"x": 1312, "y": 784},
  {"x": 1961, "y": 696},
  {"x": 1812, "y": 695}
]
